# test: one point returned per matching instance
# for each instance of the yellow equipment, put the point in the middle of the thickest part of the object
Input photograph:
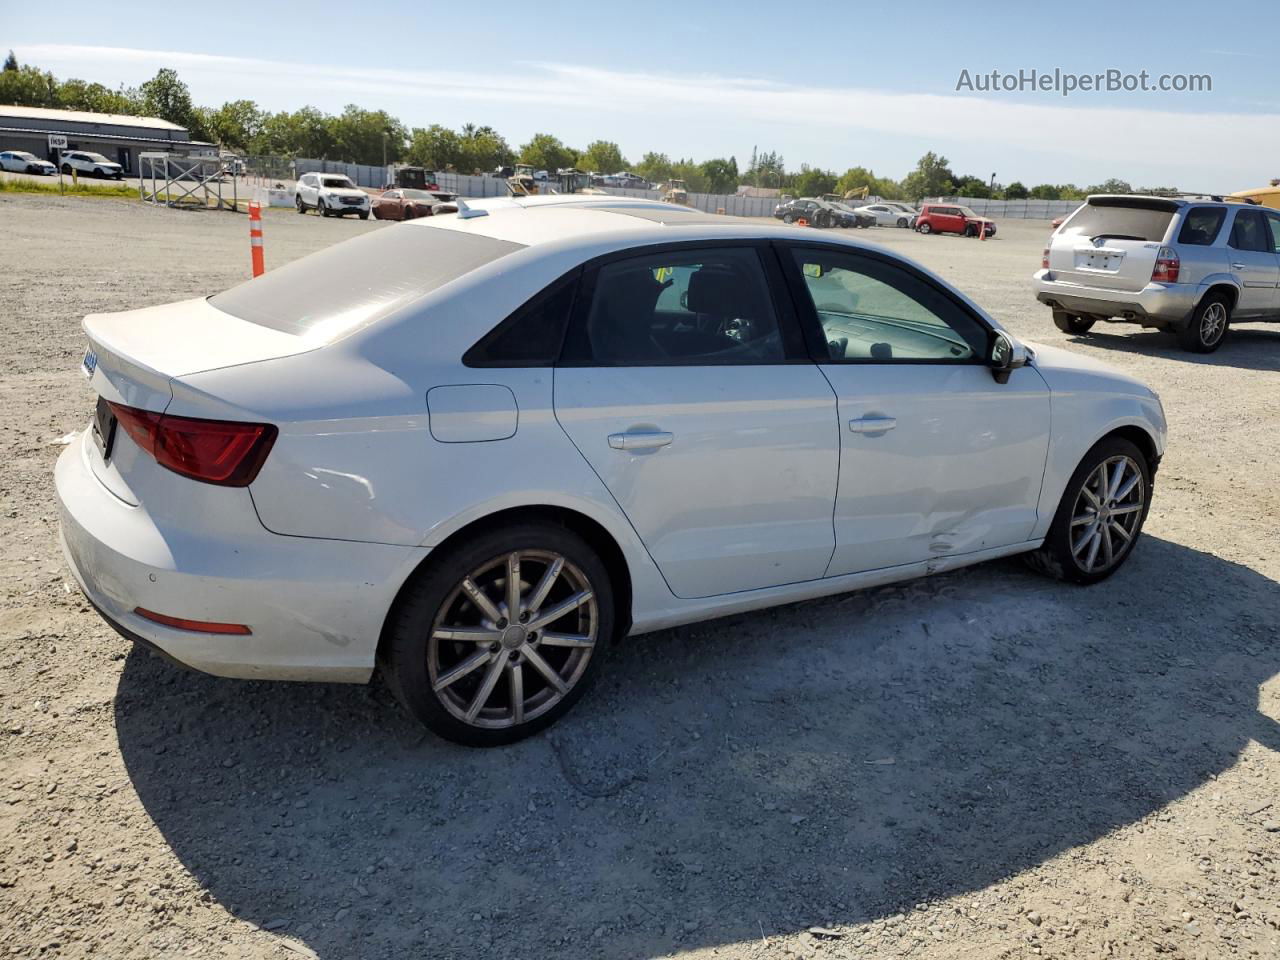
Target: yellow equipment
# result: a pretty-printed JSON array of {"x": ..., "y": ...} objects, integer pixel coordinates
[
  {"x": 1267, "y": 196},
  {"x": 675, "y": 191},
  {"x": 521, "y": 183}
]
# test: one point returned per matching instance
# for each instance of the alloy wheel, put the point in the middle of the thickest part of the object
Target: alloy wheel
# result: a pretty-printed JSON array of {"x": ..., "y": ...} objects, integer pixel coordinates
[
  {"x": 1107, "y": 514},
  {"x": 512, "y": 639},
  {"x": 1213, "y": 323}
]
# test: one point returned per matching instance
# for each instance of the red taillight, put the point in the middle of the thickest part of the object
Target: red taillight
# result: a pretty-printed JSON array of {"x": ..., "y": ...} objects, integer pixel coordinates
[
  {"x": 1167, "y": 266},
  {"x": 225, "y": 452},
  {"x": 1044, "y": 259},
  {"x": 198, "y": 626}
]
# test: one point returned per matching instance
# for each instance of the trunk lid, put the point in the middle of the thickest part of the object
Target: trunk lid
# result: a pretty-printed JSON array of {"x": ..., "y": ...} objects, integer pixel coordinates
[
  {"x": 1111, "y": 243},
  {"x": 133, "y": 357}
]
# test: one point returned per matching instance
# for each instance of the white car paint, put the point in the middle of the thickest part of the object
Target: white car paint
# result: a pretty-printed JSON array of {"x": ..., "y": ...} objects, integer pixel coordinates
[
  {"x": 91, "y": 164},
  {"x": 20, "y": 161},
  {"x": 331, "y": 192},
  {"x": 388, "y": 444},
  {"x": 886, "y": 216}
]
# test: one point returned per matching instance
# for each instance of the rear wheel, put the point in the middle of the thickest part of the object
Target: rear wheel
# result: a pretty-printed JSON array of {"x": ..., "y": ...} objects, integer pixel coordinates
[
  {"x": 1208, "y": 326},
  {"x": 66, "y": 168},
  {"x": 501, "y": 635},
  {"x": 1100, "y": 515},
  {"x": 1071, "y": 322}
]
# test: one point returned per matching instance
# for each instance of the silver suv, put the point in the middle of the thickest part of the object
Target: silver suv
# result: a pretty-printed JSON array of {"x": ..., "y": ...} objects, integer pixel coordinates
[{"x": 1190, "y": 266}]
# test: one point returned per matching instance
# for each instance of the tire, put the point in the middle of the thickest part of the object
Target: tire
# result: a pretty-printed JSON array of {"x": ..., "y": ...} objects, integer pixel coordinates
[
  {"x": 364, "y": 214},
  {"x": 407, "y": 213},
  {"x": 66, "y": 169},
  {"x": 788, "y": 218},
  {"x": 321, "y": 208},
  {"x": 902, "y": 223},
  {"x": 297, "y": 202},
  {"x": 1057, "y": 558},
  {"x": 415, "y": 658},
  {"x": 1071, "y": 322},
  {"x": 924, "y": 228},
  {"x": 1209, "y": 324}
]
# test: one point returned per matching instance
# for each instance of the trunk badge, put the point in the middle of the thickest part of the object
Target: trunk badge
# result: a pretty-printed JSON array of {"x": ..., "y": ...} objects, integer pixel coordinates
[{"x": 90, "y": 361}]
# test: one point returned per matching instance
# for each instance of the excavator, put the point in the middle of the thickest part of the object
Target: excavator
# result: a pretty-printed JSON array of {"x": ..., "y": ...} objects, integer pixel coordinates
[{"x": 522, "y": 183}]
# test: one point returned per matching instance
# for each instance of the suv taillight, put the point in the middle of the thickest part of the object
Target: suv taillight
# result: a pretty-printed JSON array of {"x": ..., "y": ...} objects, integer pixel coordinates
[
  {"x": 1167, "y": 266},
  {"x": 225, "y": 452},
  {"x": 1044, "y": 259}
]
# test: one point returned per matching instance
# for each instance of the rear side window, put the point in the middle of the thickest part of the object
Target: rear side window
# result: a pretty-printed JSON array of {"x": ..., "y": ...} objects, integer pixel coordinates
[
  {"x": 1250, "y": 232},
  {"x": 533, "y": 335},
  {"x": 1118, "y": 222},
  {"x": 352, "y": 284},
  {"x": 1273, "y": 221},
  {"x": 1201, "y": 225},
  {"x": 703, "y": 307}
]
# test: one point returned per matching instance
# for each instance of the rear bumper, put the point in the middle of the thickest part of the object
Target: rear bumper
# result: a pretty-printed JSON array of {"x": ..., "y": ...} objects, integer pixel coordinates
[
  {"x": 316, "y": 607},
  {"x": 1156, "y": 304}
]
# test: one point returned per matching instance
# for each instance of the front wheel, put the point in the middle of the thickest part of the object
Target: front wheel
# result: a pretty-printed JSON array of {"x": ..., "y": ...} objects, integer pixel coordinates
[
  {"x": 501, "y": 635},
  {"x": 322, "y": 209},
  {"x": 902, "y": 222},
  {"x": 297, "y": 202},
  {"x": 788, "y": 218},
  {"x": 1100, "y": 515},
  {"x": 1208, "y": 325},
  {"x": 364, "y": 214},
  {"x": 924, "y": 228},
  {"x": 1071, "y": 322}
]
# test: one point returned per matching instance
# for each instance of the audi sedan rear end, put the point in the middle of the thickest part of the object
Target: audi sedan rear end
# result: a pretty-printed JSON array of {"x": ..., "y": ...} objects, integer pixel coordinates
[{"x": 477, "y": 448}]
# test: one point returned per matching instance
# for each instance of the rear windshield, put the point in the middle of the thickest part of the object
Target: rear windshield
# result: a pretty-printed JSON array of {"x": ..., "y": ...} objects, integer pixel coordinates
[
  {"x": 1118, "y": 223},
  {"x": 352, "y": 284}
]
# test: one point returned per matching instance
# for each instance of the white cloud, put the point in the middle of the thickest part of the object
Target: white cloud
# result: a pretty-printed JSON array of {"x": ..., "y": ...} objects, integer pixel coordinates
[{"x": 1063, "y": 139}]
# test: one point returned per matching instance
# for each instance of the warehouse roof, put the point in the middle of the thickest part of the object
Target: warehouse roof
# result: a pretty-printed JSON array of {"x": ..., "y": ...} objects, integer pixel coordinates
[{"x": 82, "y": 116}]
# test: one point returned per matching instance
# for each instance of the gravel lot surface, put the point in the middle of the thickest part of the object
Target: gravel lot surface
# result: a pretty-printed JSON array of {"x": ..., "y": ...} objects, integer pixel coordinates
[{"x": 981, "y": 765}]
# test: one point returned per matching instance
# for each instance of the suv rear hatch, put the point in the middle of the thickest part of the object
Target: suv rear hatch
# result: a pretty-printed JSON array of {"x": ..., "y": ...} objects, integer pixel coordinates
[{"x": 1111, "y": 242}]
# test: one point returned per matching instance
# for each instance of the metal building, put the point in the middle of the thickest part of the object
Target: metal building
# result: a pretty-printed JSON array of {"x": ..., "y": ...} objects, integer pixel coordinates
[{"x": 116, "y": 137}]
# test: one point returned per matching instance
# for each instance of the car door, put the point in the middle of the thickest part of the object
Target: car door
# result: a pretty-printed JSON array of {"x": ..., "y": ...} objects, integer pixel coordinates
[
  {"x": 685, "y": 385},
  {"x": 937, "y": 458},
  {"x": 307, "y": 188},
  {"x": 1252, "y": 255}
]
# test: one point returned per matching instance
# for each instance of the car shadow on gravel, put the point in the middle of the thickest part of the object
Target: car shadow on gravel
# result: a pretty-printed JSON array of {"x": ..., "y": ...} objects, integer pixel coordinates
[
  {"x": 829, "y": 763},
  {"x": 1249, "y": 348}
]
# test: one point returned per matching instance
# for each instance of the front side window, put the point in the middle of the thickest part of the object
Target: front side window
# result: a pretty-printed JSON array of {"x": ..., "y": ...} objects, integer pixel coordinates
[
  {"x": 872, "y": 311},
  {"x": 697, "y": 308}
]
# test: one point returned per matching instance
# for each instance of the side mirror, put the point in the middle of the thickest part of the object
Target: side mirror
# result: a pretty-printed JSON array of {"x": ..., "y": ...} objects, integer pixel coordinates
[{"x": 1005, "y": 356}]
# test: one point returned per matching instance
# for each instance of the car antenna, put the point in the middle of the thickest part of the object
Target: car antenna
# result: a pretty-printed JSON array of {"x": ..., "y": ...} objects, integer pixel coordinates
[{"x": 465, "y": 212}]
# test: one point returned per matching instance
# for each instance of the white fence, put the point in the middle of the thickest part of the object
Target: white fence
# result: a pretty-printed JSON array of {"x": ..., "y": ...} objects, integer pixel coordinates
[{"x": 1015, "y": 209}]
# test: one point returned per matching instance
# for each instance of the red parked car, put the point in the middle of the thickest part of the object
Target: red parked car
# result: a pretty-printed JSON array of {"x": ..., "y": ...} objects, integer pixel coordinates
[{"x": 952, "y": 218}]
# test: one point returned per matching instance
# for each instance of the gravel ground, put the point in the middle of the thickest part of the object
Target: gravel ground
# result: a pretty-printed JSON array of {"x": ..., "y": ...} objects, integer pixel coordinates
[{"x": 981, "y": 765}]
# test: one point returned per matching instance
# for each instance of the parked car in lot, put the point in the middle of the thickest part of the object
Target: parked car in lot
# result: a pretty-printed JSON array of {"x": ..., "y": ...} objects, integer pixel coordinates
[
  {"x": 906, "y": 209},
  {"x": 1189, "y": 266},
  {"x": 952, "y": 218},
  {"x": 816, "y": 213},
  {"x": 330, "y": 195},
  {"x": 361, "y": 457},
  {"x": 19, "y": 161},
  {"x": 82, "y": 162},
  {"x": 843, "y": 215},
  {"x": 886, "y": 215},
  {"x": 403, "y": 204},
  {"x": 632, "y": 181}
]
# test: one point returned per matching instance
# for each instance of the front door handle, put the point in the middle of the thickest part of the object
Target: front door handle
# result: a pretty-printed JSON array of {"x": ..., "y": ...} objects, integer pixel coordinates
[
  {"x": 1237, "y": 266},
  {"x": 649, "y": 440},
  {"x": 872, "y": 424}
]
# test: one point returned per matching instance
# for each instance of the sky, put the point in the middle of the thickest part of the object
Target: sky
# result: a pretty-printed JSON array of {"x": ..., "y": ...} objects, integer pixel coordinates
[{"x": 834, "y": 85}]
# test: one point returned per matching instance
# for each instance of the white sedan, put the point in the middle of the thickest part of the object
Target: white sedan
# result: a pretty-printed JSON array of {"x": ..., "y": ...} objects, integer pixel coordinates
[
  {"x": 20, "y": 161},
  {"x": 476, "y": 449},
  {"x": 887, "y": 215}
]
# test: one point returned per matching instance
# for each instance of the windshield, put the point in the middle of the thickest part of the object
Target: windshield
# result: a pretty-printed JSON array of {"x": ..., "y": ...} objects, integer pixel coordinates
[
  {"x": 352, "y": 284},
  {"x": 967, "y": 212},
  {"x": 339, "y": 183}
]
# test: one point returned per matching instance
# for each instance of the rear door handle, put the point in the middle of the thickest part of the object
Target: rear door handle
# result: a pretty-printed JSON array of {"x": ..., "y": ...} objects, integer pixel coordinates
[
  {"x": 640, "y": 441},
  {"x": 872, "y": 424}
]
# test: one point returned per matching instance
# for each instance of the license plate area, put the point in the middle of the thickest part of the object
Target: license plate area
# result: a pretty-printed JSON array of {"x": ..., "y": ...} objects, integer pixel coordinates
[
  {"x": 103, "y": 428},
  {"x": 1099, "y": 260}
]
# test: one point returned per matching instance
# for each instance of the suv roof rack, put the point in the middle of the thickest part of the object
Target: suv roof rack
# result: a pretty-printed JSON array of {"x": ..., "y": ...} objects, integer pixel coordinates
[{"x": 1202, "y": 195}]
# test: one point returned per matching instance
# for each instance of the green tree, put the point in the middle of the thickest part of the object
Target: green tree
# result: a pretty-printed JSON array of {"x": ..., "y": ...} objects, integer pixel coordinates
[
  {"x": 28, "y": 86},
  {"x": 721, "y": 175},
  {"x": 1046, "y": 191},
  {"x": 767, "y": 170},
  {"x": 602, "y": 156},
  {"x": 654, "y": 167},
  {"x": 359, "y": 135},
  {"x": 971, "y": 186},
  {"x": 95, "y": 98},
  {"x": 1016, "y": 191},
  {"x": 856, "y": 178},
  {"x": 235, "y": 124},
  {"x": 436, "y": 147},
  {"x": 482, "y": 149},
  {"x": 10, "y": 62},
  {"x": 1111, "y": 186},
  {"x": 813, "y": 182},
  {"x": 691, "y": 173},
  {"x": 545, "y": 152},
  {"x": 303, "y": 133},
  {"x": 167, "y": 97},
  {"x": 932, "y": 177}
]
